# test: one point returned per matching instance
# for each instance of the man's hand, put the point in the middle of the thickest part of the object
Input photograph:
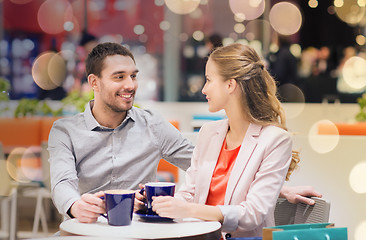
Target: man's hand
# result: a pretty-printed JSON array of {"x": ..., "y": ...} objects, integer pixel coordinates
[
  {"x": 299, "y": 194},
  {"x": 88, "y": 208},
  {"x": 140, "y": 199}
]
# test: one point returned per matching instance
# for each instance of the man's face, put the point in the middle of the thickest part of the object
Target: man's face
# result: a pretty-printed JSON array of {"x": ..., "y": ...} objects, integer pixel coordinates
[{"x": 118, "y": 83}]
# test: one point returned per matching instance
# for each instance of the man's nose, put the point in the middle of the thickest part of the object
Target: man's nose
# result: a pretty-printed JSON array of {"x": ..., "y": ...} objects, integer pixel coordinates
[{"x": 129, "y": 83}]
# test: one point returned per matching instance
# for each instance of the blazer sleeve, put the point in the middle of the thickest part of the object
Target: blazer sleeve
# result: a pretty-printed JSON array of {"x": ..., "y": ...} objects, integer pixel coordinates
[
  {"x": 273, "y": 154},
  {"x": 187, "y": 191}
]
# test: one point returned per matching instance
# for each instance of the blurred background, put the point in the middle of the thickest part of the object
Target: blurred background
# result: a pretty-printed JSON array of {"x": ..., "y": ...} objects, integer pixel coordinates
[{"x": 315, "y": 49}]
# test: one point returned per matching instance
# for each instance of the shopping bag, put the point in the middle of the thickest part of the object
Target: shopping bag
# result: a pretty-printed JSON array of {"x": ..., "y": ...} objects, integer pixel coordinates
[{"x": 310, "y": 231}]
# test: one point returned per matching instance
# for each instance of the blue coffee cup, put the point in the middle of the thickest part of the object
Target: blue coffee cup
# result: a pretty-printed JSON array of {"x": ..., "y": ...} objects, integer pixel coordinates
[
  {"x": 154, "y": 189},
  {"x": 119, "y": 207}
]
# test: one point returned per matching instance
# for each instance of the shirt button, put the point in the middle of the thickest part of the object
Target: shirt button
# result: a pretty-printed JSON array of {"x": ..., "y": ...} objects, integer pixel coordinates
[{"x": 113, "y": 178}]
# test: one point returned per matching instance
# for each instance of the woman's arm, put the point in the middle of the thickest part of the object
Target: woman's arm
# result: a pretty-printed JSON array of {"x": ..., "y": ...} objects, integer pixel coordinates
[{"x": 167, "y": 206}]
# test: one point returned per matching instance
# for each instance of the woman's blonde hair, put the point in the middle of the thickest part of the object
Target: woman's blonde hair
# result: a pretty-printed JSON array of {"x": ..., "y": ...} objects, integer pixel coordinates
[{"x": 259, "y": 90}]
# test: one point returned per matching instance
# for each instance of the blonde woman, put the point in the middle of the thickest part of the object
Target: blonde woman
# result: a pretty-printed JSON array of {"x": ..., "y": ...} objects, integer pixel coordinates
[{"x": 239, "y": 164}]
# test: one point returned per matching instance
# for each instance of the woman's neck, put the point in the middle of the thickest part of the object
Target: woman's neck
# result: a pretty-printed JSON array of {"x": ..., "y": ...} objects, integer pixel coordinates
[{"x": 238, "y": 126}]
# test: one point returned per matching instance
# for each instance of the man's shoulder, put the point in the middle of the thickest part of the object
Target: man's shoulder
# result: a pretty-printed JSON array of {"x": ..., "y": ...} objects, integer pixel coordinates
[
  {"x": 69, "y": 120},
  {"x": 145, "y": 115}
]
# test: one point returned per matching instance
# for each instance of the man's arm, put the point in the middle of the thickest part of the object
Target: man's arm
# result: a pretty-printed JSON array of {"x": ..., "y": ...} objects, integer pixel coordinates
[{"x": 299, "y": 194}]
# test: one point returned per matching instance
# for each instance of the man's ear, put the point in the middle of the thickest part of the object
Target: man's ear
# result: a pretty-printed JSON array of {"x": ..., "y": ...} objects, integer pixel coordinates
[
  {"x": 93, "y": 82},
  {"x": 232, "y": 84}
]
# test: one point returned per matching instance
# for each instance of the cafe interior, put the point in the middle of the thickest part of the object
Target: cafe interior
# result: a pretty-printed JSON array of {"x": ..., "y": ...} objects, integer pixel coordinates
[{"x": 321, "y": 85}]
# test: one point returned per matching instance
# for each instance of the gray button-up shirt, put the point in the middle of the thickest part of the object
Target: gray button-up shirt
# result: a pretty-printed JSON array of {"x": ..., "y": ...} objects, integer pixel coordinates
[{"x": 86, "y": 157}]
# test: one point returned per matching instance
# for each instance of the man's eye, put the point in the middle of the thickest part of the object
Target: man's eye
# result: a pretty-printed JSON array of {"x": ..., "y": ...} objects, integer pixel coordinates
[{"x": 133, "y": 76}]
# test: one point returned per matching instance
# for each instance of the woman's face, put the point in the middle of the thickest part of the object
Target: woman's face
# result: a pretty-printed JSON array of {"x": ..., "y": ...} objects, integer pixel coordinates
[{"x": 215, "y": 88}]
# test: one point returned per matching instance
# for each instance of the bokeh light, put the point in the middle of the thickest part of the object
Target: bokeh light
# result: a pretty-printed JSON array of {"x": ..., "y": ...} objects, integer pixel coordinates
[
  {"x": 313, "y": 3},
  {"x": 361, "y": 40},
  {"x": 291, "y": 93},
  {"x": 30, "y": 164},
  {"x": 360, "y": 231},
  {"x": 338, "y": 3},
  {"x": 159, "y": 2},
  {"x": 13, "y": 164},
  {"x": 58, "y": 11},
  {"x": 256, "y": 29},
  {"x": 295, "y": 49},
  {"x": 139, "y": 29},
  {"x": 49, "y": 70},
  {"x": 188, "y": 51},
  {"x": 182, "y": 6},
  {"x": 285, "y": 18},
  {"x": 331, "y": 10},
  {"x": 354, "y": 72},
  {"x": 239, "y": 28},
  {"x": 164, "y": 25},
  {"x": 198, "y": 35},
  {"x": 68, "y": 26},
  {"x": 349, "y": 11},
  {"x": 227, "y": 41},
  {"x": 357, "y": 178},
  {"x": 239, "y": 17},
  {"x": 361, "y": 3},
  {"x": 247, "y": 9},
  {"x": 323, "y": 143}
]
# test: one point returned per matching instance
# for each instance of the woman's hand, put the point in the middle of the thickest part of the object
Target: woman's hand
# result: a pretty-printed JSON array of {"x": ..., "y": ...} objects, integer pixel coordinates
[
  {"x": 299, "y": 194},
  {"x": 167, "y": 206}
]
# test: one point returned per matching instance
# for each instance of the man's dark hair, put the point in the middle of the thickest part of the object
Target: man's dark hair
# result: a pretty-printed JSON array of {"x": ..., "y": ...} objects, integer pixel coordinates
[{"x": 95, "y": 60}]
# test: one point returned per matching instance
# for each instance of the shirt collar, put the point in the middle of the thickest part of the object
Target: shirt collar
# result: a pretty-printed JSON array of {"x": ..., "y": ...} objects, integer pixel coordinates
[{"x": 92, "y": 123}]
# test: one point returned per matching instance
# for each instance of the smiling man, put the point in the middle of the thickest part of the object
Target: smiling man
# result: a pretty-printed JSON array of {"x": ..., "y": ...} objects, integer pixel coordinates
[{"x": 111, "y": 145}]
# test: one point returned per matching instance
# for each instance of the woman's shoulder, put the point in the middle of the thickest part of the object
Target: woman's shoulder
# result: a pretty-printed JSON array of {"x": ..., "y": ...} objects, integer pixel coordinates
[
  {"x": 214, "y": 125},
  {"x": 274, "y": 132}
]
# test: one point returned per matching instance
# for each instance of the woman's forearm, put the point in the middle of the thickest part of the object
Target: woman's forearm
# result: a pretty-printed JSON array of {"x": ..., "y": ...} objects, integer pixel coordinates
[{"x": 206, "y": 212}]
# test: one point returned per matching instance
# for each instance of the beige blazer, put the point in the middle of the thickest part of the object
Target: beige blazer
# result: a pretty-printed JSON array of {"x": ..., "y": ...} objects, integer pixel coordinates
[{"x": 255, "y": 181}]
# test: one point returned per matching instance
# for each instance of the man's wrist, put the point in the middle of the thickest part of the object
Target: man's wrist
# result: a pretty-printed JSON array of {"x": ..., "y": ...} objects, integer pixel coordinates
[{"x": 69, "y": 213}]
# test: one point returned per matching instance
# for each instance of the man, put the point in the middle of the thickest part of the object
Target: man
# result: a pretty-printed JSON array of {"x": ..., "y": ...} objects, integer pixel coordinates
[{"x": 112, "y": 145}]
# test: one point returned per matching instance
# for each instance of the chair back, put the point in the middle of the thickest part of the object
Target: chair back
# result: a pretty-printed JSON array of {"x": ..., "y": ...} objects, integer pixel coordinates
[
  {"x": 287, "y": 213},
  {"x": 45, "y": 165},
  {"x": 5, "y": 179}
]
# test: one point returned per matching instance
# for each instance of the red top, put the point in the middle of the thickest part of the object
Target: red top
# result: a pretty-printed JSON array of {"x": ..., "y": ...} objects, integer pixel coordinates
[{"x": 221, "y": 174}]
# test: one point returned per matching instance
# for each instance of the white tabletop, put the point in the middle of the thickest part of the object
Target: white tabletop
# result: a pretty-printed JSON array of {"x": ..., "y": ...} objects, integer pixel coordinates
[{"x": 179, "y": 228}]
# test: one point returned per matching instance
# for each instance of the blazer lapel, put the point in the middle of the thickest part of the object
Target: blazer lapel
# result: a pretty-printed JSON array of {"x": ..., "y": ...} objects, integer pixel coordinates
[
  {"x": 212, "y": 155},
  {"x": 246, "y": 150}
]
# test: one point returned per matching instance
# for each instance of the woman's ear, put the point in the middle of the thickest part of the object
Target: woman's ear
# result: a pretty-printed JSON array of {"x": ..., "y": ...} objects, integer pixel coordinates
[
  {"x": 232, "y": 85},
  {"x": 92, "y": 80}
]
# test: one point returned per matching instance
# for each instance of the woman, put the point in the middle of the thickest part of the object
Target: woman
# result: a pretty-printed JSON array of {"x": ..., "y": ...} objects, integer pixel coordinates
[{"x": 239, "y": 164}]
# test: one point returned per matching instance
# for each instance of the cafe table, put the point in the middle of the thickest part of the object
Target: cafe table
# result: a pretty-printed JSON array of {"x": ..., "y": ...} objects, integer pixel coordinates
[{"x": 141, "y": 228}]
